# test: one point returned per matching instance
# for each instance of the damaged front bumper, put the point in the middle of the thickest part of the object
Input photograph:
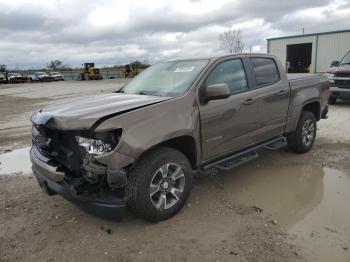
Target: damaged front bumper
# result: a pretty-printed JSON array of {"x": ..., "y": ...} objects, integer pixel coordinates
[{"x": 52, "y": 181}]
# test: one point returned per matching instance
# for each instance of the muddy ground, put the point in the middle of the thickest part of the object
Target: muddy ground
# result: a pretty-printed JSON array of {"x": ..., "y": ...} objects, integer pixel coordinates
[{"x": 279, "y": 207}]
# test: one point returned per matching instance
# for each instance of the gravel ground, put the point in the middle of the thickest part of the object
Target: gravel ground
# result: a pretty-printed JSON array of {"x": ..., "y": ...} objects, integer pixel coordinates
[{"x": 279, "y": 207}]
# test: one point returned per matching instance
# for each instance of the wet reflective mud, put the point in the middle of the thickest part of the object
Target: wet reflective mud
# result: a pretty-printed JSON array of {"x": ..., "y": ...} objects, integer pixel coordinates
[{"x": 310, "y": 202}]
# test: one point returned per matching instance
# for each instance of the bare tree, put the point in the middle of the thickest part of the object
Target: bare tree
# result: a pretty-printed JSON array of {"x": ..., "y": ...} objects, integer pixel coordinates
[
  {"x": 54, "y": 64},
  {"x": 3, "y": 68},
  {"x": 231, "y": 40}
]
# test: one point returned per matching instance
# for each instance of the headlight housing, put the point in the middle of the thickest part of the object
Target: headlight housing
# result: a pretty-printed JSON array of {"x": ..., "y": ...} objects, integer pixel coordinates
[
  {"x": 329, "y": 75},
  {"x": 99, "y": 143}
]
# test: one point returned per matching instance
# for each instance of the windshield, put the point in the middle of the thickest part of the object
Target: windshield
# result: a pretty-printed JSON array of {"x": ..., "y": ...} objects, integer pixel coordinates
[
  {"x": 166, "y": 78},
  {"x": 346, "y": 59}
]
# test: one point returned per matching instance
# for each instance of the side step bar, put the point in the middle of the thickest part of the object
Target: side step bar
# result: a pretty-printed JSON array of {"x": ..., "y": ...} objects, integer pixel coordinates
[
  {"x": 242, "y": 157},
  {"x": 237, "y": 161}
]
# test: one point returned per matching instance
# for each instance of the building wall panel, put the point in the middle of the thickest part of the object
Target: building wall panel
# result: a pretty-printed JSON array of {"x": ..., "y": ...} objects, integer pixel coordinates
[
  {"x": 279, "y": 47},
  {"x": 331, "y": 47}
]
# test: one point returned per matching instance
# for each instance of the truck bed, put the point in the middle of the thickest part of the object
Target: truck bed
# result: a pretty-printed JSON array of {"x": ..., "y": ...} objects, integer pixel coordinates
[{"x": 302, "y": 81}]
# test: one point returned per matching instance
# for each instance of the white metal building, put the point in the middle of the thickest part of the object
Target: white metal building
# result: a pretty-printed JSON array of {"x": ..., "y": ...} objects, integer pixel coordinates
[{"x": 310, "y": 52}]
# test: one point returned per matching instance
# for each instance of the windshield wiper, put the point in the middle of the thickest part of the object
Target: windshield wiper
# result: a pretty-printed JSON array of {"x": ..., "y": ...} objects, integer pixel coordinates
[{"x": 147, "y": 93}]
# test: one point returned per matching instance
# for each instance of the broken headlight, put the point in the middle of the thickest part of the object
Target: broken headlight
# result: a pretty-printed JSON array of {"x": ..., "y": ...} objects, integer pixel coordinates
[{"x": 99, "y": 143}]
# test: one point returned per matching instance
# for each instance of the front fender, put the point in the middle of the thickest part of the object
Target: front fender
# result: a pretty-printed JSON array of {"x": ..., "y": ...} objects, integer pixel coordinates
[{"x": 147, "y": 127}]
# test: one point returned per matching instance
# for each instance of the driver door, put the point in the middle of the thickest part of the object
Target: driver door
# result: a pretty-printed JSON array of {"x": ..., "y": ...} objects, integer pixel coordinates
[{"x": 228, "y": 124}]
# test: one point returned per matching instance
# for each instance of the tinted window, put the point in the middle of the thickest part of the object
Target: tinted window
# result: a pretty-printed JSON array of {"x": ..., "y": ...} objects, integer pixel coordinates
[
  {"x": 266, "y": 72},
  {"x": 230, "y": 72}
]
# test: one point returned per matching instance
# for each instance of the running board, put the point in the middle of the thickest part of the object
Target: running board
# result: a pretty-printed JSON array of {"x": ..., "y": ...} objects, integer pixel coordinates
[
  {"x": 282, "y": 142},
  {"x": 242, "y": 157},
  {"x": 235, "y": 162}
]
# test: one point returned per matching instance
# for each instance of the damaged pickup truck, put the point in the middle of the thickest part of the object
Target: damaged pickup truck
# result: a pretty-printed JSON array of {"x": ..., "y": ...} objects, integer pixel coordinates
[{"x": 139, "y": 147}]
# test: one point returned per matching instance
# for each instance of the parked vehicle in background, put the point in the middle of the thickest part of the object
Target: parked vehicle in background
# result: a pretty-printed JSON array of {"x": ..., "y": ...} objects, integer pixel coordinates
[
  {"x": 41, "y": 77},
  {"x": 339, "y": 79},
  {"x": 57, "y": 75},
  {"x": 16, "y": 78},
  {"x": 3, "y": 79},
  {"x": 139, "y": 147}
]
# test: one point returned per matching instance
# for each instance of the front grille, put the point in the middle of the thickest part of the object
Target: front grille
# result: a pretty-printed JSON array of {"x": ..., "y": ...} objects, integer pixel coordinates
[
  {"x": 61, "y": 147},
  {"x": 342, "y": 74},
  {"x": 341, "y": 83}
]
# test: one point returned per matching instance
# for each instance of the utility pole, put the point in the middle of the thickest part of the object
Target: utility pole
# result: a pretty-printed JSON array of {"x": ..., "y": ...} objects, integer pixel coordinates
[{"x": 303, "y": 30}]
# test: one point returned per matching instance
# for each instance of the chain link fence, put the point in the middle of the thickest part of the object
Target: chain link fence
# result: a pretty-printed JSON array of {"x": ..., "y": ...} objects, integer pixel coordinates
[{"x": 75, "y": 74}]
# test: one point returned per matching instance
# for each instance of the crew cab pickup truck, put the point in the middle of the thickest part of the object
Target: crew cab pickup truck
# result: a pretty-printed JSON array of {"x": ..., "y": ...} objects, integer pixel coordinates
[
  {"x": 139, "y": 147},
  {"x": 339, "y": 79}
]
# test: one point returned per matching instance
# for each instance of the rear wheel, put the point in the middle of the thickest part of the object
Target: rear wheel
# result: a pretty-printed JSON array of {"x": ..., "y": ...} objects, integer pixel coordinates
[
  {"x": 332, "y": 100},
  {"x": 304, "y": 136},
  {"x": 159, "y": 184}
]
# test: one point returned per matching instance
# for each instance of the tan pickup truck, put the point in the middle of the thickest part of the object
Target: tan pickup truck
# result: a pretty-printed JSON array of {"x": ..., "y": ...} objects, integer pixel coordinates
[{"x": 139, "y": 147}]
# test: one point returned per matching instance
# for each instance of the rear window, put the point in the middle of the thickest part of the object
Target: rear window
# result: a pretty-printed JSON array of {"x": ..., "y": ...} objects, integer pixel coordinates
[{"x": 266, "y": 72}]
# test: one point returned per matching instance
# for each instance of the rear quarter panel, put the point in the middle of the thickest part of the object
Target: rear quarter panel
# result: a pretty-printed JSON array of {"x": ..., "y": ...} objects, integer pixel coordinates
[{"x": 305, "y": 90}]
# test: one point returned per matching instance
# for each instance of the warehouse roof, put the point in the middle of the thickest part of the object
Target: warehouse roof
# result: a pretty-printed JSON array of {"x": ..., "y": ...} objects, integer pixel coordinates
[{"x": 322, "y": 33}]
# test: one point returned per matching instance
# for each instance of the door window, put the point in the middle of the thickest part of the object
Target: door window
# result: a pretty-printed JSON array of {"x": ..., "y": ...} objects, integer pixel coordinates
[
  {"x": 231, "y": 73},
  {"x": 265, "y": 70}
]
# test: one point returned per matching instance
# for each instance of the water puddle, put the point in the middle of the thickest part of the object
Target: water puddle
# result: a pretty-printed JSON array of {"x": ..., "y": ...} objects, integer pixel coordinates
[
  {"x": 310, "y": 202},
  {"x": 16, "y": 162}
]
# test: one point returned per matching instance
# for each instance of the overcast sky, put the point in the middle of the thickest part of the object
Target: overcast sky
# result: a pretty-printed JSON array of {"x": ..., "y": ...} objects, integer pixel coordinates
[{"x": 107, "y": 32}]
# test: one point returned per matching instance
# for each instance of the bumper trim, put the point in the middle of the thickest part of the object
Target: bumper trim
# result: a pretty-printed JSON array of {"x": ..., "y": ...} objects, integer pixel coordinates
[
  {"x": 102, "y": 204},
  {"x": 342, "y": 93},
  {"x": 44, "y": 168}
]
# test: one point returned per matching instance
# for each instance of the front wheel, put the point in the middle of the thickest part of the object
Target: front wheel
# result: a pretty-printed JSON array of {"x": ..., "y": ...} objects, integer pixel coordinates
[
  {"x": 304, "y": 136},
  {"x": 159, "y": 184}
]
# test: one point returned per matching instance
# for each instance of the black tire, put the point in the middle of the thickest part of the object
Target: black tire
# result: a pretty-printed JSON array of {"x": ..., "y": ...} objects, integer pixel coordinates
[
  {"x": 138, "y": 191},
  {"x": 332, "y": 100},
  {"x": 296, "y": 140}
]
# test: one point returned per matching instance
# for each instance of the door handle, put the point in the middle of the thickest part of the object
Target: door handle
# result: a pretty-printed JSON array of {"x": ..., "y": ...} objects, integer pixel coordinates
[
  {"x": 281, "y": 93},
  {"x": 249, "y": 101}
]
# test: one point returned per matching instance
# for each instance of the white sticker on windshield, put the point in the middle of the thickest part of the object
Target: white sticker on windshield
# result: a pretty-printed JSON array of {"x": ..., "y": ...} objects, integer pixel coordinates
[{"x": 184, "y": 69}]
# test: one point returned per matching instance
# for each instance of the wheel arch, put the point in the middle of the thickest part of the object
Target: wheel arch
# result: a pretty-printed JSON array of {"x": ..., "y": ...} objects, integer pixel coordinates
[
  {"x": 186, "y": 144},
  {"x": 313, "y": 107}
]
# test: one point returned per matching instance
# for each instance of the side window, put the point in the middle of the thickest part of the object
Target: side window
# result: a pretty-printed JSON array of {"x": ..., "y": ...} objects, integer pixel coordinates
[
  {"x": 229, "y": 72},
  {"x": 265, "y": 70}
]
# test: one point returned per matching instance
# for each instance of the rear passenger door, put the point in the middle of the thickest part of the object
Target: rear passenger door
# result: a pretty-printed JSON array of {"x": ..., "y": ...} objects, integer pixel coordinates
[{"x": 272, "y": 97}]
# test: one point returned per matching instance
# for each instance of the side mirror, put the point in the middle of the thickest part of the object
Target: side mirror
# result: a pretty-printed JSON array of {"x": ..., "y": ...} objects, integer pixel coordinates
[
  {"x": 334, "y": 63},
  {"x": 217, "y": 91}
]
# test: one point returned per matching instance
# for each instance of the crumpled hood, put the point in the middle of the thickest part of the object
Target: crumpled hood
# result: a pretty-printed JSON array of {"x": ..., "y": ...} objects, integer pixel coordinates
[{"x": 82, "y": 113}]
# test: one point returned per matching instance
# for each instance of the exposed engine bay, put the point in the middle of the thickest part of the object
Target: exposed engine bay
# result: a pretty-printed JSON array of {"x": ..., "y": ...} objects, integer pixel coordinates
[{"x": 73, "y": 153}]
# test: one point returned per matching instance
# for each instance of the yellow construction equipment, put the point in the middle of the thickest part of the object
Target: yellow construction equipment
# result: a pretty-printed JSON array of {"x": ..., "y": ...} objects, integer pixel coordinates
[
  {"x": 130, "y": 70},
  {"x": 90, "y": 72}
]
